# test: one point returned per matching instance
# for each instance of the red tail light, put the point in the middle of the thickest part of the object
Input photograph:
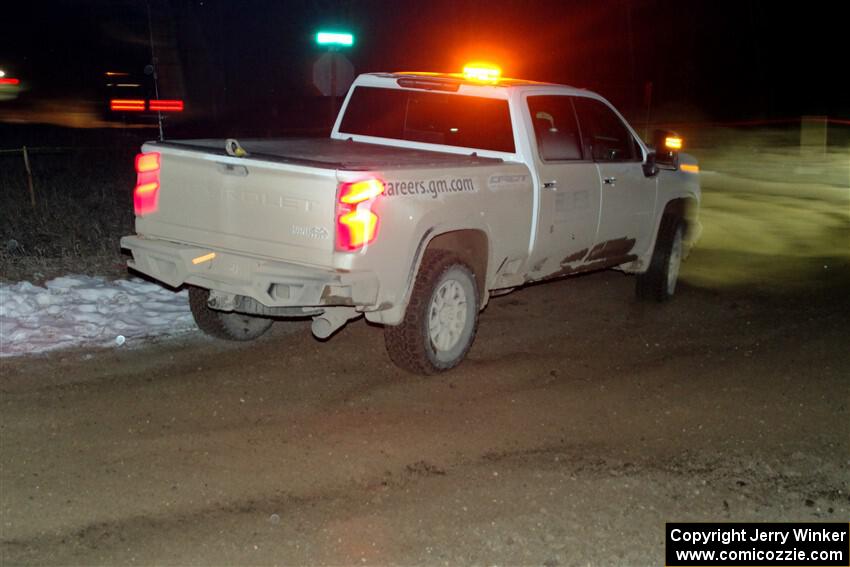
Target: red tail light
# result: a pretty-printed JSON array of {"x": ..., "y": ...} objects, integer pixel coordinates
[
  {"x": 126, "y": 105},
  {"x": 147, "y": 162},
  {"x": 146, "y": 193},
  {"x": 356, "y": 223},
  {"x": 166, "y": 105},
  {"x": 9, "y": 81}
]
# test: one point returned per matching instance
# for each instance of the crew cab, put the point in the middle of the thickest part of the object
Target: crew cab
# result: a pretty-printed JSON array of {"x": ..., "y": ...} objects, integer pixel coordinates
[{"x": 433, "y": 193}]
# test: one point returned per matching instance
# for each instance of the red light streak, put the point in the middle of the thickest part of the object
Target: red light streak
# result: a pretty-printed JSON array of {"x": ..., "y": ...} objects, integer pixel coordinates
[
  {"x": 166, "y": 105},
  {"x": 131, "y": 105}
]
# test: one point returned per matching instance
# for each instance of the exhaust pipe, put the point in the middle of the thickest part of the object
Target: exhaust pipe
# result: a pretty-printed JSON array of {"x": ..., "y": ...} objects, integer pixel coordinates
[{"x": 332, "y": 320}]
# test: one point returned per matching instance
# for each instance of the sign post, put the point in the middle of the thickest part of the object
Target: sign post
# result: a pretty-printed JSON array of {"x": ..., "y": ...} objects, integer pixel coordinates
[{"x": 333, "y": 73}]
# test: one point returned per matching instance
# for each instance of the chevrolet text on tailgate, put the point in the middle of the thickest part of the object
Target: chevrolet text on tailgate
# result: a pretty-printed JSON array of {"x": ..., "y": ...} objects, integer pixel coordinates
[{"x": 433, "y": 193}]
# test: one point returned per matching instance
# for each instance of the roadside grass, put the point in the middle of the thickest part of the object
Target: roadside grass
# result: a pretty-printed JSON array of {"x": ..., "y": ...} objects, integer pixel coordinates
[{"x": 83, "y": 205}]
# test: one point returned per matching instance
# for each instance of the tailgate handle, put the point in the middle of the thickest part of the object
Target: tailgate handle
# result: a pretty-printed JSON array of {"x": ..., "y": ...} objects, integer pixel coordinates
[{"x": 231, "y": 169}]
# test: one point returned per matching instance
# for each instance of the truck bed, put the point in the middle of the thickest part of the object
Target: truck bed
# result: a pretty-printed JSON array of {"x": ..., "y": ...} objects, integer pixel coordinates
[{"x": 334, "y": 154}]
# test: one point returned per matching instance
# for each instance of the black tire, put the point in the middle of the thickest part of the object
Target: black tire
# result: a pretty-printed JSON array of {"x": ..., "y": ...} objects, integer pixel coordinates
[
  {"x": 658, "y": 283},
  {"x": 410, "y": 344},
  {"x": 230, "y": 326}
]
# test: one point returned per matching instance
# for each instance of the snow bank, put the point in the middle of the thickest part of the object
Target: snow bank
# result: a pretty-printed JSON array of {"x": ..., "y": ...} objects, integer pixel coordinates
[{"x": 82, "y": 310}]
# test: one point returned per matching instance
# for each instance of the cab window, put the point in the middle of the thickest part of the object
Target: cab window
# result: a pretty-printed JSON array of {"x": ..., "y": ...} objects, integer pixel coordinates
[
  {"x": 604, "y": 136},
  {"x": 555, "y": 128}
]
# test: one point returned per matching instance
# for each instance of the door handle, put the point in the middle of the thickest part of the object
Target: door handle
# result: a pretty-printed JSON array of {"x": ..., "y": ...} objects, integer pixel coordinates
[
  {"x": 553, "y": 185},
  {"x": 609, "y": 180}
]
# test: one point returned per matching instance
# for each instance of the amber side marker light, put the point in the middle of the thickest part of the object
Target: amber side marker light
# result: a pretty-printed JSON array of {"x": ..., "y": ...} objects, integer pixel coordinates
[
  {"x": 482, "y": 72},
  {"x": 673, "y": 143},
  {"x": 204, "y": 258},
  {"x": 689, "y": 167}
]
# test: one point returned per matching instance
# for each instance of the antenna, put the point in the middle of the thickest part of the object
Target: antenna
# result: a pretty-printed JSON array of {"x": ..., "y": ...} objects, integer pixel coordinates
[{"x": 154, "y": 65}]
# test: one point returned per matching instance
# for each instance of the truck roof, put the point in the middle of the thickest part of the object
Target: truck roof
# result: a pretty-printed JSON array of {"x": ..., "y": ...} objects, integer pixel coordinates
[{"x": 460, "y": 79}]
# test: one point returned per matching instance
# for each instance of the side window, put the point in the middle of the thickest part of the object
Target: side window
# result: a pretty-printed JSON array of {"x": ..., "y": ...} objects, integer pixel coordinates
[
  {"x": 638, "y": 155},
  {"x": 604, "y": 135},
  {"x": 555, "y": 127}
]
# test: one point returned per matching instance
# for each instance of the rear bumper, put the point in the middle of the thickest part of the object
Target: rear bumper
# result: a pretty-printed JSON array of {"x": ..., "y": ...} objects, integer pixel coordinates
[{"x": 272, "y": 283}]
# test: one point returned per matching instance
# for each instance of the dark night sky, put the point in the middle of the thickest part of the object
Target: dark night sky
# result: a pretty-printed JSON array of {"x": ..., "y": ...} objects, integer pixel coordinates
[{"x": 707, "y": 60}]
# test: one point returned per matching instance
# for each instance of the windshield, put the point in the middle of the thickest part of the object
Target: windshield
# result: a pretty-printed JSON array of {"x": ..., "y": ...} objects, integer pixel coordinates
[{"x": 435, "y": 118}]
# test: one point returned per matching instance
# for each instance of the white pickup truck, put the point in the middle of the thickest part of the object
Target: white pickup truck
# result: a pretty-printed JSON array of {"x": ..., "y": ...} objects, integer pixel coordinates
[{"x": 433, "y": 193}]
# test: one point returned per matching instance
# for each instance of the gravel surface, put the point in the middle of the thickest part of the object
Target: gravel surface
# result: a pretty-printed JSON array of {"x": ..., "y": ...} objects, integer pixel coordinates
[{"x": 581, "y": 423}]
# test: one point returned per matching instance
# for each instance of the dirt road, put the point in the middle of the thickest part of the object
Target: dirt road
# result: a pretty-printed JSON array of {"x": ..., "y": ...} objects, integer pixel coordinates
[{"x": 581, "y": 422}]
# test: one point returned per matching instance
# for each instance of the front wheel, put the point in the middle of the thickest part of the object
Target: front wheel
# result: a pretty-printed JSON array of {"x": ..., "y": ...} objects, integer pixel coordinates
[
  {"x": 658, "y": 283},
  {"x": 230, "y": 326},
  {"x": 441, "y": 319}
]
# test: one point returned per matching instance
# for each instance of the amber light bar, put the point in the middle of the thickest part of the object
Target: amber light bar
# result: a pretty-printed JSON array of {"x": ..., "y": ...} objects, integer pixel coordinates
[
  {"x": 127, "y": 105},
  {"x": 482, "y": 72},
  {"x": 162, "y": 105}
]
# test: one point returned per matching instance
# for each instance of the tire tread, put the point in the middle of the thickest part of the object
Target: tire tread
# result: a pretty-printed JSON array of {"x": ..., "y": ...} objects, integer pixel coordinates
[
  {"x": 652, "y": 284},
  {"x": 210, "y": 321},
  {"x": 405, "y": 342}
]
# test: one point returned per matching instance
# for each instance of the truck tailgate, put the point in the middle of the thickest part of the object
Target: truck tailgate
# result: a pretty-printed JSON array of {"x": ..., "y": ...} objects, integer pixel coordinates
[{"x": 266, "y": 209}]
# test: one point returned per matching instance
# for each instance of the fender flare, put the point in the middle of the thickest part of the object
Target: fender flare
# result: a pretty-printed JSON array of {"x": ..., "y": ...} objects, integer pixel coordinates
[
  {"x": 680, "y": 205},
  {"x": 395, "y": 314}
]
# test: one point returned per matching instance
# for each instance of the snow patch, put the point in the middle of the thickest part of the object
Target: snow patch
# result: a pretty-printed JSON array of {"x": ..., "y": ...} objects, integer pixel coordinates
[{"x": 83, "y": 310}]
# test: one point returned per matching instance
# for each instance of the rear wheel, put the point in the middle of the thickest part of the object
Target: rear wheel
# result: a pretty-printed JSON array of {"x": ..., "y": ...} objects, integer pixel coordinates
[
  {"x": 441, "y": 319},
  {"x": 658, "y": 283},
  {"x": 230, "y": 326}
]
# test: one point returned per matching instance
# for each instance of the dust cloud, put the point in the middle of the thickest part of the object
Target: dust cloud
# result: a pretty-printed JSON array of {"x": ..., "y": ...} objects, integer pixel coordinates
[{"x": 775, "y": 213}]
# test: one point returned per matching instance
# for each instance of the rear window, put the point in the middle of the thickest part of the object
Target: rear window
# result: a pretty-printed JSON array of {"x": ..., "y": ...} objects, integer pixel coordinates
[{"x": 435, "y": 118}]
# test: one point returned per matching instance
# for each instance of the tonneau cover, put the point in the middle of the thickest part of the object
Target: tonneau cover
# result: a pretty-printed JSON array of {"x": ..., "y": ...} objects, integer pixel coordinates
[{"x": 334, "y": 154}]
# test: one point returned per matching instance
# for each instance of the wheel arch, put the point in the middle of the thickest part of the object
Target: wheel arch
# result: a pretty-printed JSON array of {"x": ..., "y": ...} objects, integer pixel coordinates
[
  {"x": 472, "y": 245},
  {"x": 685, "y": 208}
]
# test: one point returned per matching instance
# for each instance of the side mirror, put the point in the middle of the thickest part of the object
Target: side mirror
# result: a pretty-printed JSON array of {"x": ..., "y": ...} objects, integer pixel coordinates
[
  {"x": 650, "y": 168},
  {"x": 667, "y": 145}
]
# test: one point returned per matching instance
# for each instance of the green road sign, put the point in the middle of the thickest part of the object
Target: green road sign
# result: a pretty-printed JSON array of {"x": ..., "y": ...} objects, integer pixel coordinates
[{"x": 335, "y": 38}]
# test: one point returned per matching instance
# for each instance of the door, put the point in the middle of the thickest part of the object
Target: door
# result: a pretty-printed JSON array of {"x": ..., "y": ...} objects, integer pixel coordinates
[
  {"x": 628, "y": 196},
  {"x": 569, "y": 188}
]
